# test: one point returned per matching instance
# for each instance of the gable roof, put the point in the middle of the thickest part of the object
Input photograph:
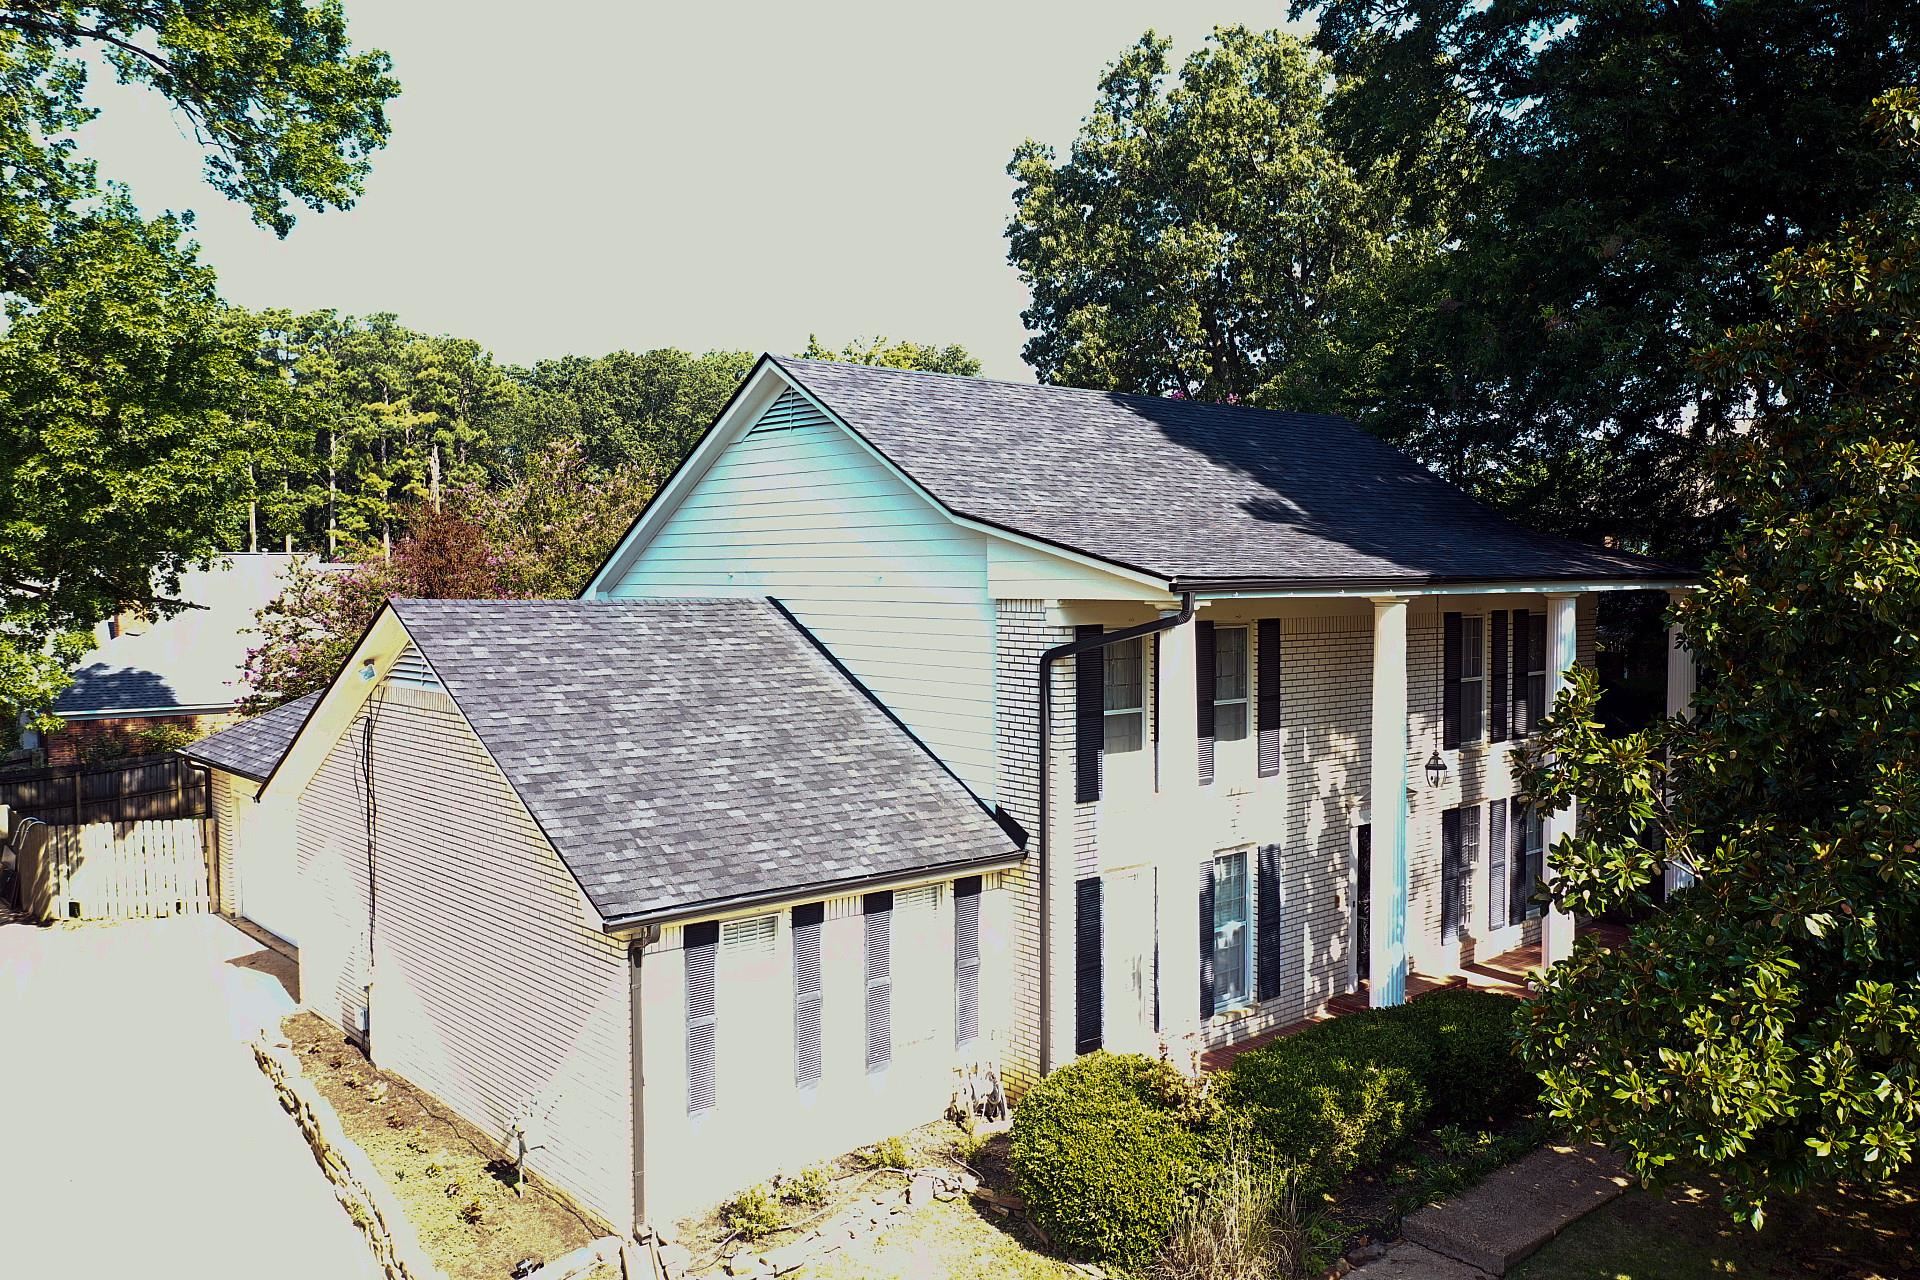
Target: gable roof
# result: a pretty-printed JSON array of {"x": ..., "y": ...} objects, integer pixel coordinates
[
  {"x": 689, "y": 754},
  {"x": 1197, "y": 494},
  {"x": 254, "y": 746},
  {"x": 191, "y": 661}
]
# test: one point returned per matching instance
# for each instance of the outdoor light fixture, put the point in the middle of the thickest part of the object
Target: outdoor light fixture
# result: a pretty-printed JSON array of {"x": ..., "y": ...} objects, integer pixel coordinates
[
  {"x": 366, "y": 669},
  {"x": 1436, "y": 769}
]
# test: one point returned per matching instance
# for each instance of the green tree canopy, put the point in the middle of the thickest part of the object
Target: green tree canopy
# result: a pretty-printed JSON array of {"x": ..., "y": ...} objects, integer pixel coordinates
[
  {"x": 1205, "y": 237},
  {"x": 1634, "y": 168},
  {"x": 644, "y": 408},
  {"x": 1764, "y": 1025},
  {"x": 130, "y": 395},
  {"x": 926, "y": 357}
]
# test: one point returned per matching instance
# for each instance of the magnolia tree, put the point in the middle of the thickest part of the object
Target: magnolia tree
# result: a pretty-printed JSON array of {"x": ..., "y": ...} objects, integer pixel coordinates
[{"x": 1764, "y": 1024}]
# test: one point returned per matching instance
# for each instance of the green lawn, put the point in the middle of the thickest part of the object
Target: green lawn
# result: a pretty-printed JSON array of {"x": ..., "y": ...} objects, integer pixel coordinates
[
  {"x": 948, "y": 1239},
  {"x": 1684, "y": 1235}
]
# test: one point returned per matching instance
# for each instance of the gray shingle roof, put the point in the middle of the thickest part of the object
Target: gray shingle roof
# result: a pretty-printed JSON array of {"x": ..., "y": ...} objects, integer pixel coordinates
[
  {"x": 1192, "y": 492},
  {"x": 682, "y": 753},
  {"x": 254, "y": 746}
]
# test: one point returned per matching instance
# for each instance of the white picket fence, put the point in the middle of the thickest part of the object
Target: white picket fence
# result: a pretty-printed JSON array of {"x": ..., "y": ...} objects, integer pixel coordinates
[{"x": 113, "y": 870}]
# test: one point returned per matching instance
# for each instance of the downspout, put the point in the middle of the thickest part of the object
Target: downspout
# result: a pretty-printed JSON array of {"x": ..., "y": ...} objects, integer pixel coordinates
[{"x": 1043, "y": 844}]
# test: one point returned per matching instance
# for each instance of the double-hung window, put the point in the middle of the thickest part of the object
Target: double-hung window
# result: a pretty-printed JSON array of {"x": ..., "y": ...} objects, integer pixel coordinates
[
  {"x": 1126, "y": 717},
  {"x": 1229, "y": 684},
  {"x": 1473, "y": 678},
  {"x": 1536, "y": 670},
  {"x": 1232, "y": 951},
  {"x": 1533, "y": 859}
]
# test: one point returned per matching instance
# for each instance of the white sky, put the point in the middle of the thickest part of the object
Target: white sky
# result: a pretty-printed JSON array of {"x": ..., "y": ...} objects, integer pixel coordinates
[{"x": 698, "y": 174}]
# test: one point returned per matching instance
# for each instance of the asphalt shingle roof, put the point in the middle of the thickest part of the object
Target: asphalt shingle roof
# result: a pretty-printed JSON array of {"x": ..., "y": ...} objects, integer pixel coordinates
[
  {"x": 1192, "y": 492},
  {"x": 254, "y": 746},
  {"x": 685, "y": 753}
]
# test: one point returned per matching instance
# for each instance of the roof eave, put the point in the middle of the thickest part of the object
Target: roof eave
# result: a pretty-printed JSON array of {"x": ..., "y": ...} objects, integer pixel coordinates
[
  {"x": 1432, "y": 584},
  {"x": 634, "y": 921}
]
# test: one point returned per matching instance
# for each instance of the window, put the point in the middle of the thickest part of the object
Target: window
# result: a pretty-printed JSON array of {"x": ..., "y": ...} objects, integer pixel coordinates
[
  {"x": 1536, "y": 670},
  {"x": 806, "y": 993},
  {"x": 879, "y": 921},
  {"x": 1229, "y": 683},
  {"x": 1125, "y": 704},
  {"x": 1533, "y": 857},
  {"x": 1231, "y": 952},
  {"x": 703, "y": 1016},
  {"x": 1459, "y": 850},
  {"x": 966, "y": 961},
  {"x": 1473, "y": 678}
]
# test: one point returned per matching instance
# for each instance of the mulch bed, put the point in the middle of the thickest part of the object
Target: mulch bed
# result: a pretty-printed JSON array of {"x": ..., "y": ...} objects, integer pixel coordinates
[{"x": 447, "y": 1174}]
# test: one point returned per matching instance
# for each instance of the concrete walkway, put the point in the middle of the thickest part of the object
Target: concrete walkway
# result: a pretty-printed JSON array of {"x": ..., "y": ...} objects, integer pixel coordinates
[
  {"x": 137, "y": 1137},
  {"x": 1506, "y": 1218}
]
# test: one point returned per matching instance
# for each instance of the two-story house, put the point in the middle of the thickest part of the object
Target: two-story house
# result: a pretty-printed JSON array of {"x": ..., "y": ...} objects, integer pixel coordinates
[{"x": 924, "y": 724}]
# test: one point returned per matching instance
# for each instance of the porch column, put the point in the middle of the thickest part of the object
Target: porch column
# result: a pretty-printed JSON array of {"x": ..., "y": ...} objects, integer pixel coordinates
[
  {"x": 1556, "y": 929},
  {"x": 1387, "y": 906},
  {"x": 1681, "y": 677},
  {"x": 1179, "y": 783}
]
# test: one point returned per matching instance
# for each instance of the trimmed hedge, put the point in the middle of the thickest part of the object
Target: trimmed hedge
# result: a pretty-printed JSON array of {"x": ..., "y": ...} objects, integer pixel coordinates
[
  {"x": 1336, "y": 1096},
  {"x": 1477, "y": 1077},
  {"x": 1107, "y": 1152}
]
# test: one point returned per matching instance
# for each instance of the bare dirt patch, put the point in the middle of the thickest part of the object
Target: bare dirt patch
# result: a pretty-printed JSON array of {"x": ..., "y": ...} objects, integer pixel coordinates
[{"x": 447, "y": 1174}]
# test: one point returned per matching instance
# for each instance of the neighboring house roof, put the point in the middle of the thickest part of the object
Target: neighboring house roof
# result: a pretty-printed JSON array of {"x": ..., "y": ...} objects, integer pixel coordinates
[
  {"x": 254, "y": 746},
  {"x": 692, "y": 753},
  {"x": 192, "y": 661},
  {"x": 1198, "y": 494}
]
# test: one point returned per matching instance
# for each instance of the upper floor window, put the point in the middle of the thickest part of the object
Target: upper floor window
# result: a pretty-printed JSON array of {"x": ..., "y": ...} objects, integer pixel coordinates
[
  {"x": 1536, "y": 669},
  {"x": 1473, "y": 678},
  {"x": 1229, "y": 683},
  {"x": 1126, "y": 714}
]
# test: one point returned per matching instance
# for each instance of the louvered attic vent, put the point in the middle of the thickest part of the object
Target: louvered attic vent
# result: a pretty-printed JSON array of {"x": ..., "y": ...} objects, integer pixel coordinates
[
  {"x": 411, "y": 670},
  {"x": 788, "y": 411}
]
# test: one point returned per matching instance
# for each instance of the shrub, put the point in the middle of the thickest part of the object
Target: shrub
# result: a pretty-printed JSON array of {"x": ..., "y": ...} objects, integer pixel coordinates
[
  {"x": 1108, "y": 1152},
  {"x": 752, "y": 1214},
  {"x": 891, "y": 1154},
  {"x": 1251, "y": 1223},
  {"x": 1336, "y": 1096},
  {"x": 1476, "y": 1075},
  {"x": 810, "y": 1186}
]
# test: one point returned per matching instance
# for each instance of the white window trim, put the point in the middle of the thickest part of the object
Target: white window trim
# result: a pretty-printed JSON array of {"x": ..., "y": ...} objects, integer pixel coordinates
[
  {"x": 1249, "y": 870},
  {"x": 1111, "y": 654},
  {"x": 1245, "y": 700}
]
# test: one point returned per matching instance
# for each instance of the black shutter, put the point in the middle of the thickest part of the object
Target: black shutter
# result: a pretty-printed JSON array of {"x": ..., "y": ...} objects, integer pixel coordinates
[
  {"x": 1363, "y": 907},
  {"x": 1516, "y": 860},
  {"x": 1450, "y": 680},
  {"x": 1089, "y": 717},
  {"x": 1206, "y": 939},
  {"x": 1499, "y": 909},
  {"x": 1266, "y": 922},
  {"x": 701, "y": 942},
  {"x": 1086, "y": 965},
  {"x": 966, "y": 961},
  {"x": 879, "y": 915},
  {"x": 1266, "y": 678},
  {"x": 1522, "y": 663},
  {"x": 1497, "y": 681},
  {"x": 1203, "y": 695},
  {"x": 1451, "y": 856},
  {"x": 806, "y": 993}
]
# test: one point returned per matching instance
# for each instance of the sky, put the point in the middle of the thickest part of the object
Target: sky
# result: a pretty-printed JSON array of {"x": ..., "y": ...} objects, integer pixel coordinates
[{"x": 627, "y": 173}]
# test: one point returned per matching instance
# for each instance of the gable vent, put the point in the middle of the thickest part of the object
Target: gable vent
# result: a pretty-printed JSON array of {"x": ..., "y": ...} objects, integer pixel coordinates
[
  {"x": 748, "y": 937},
  {"x": 411, "y": 670},
  {"x": 788, "y": 411}
]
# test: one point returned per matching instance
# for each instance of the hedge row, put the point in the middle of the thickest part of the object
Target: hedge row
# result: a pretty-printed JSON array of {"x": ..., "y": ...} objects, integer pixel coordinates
[{"x": 1110, "y": 1149}]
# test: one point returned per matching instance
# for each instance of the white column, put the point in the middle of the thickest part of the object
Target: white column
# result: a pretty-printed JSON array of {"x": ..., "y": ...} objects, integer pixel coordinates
[
  {"x": 1387, "y": 907},
  {"x": 1681, "y": 677},
  {"x": 1179, "y": 888},
  {"x": 1556, "y": 929}
]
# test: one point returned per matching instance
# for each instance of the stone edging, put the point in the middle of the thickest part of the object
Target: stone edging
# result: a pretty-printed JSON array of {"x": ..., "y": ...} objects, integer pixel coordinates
[{"x": 356, "y": 1184}]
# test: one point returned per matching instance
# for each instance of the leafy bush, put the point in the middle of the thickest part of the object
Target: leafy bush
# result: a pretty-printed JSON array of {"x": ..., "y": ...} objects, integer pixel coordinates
[
  {"x": 1336, "y": 1096},
  {"x": 1476, "y": 1074},
  {"x": 890, "y": 1154},
  {"x": 810, "y": 1186},
  {"x": 753, "y": 1213},
  {"x": 1109, "y": 1151}
]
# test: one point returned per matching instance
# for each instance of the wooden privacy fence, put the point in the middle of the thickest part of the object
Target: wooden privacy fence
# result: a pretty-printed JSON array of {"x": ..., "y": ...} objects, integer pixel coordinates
[
  {"x": 112, "y": 870},
  {"x": 117, "y": 791}
]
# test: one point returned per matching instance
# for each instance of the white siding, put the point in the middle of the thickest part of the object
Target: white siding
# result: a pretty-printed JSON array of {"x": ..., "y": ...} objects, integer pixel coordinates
[
  {"x": 493, "y": 987},
  {"x": 761, "y": 1121},
  {"x": 799, "y": 510}
]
